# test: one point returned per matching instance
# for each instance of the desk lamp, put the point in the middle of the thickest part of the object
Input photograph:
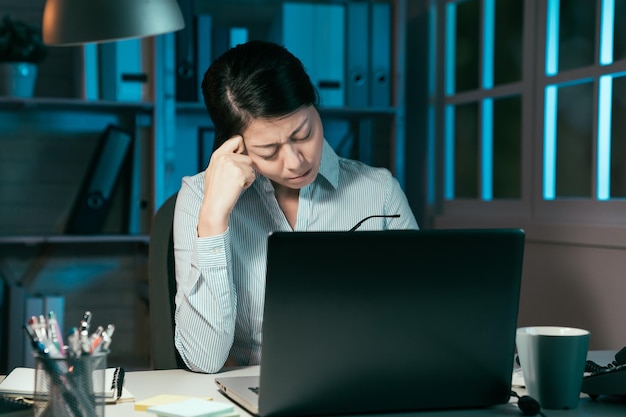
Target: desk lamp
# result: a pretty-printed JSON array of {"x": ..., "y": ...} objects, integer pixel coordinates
[{"x": 75, "y": 22}]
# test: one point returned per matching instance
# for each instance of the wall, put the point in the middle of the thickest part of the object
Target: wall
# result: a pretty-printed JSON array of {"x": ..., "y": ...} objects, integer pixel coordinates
[{"x": 573, "y": 276}]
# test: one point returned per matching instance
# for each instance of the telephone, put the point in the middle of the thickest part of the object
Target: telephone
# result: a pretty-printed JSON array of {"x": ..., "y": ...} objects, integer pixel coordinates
[{"x": 606, "y": 380}]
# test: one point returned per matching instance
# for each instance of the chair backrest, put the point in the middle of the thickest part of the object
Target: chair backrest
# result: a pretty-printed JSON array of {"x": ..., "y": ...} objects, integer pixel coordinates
[{"x": 162, "y": 288}]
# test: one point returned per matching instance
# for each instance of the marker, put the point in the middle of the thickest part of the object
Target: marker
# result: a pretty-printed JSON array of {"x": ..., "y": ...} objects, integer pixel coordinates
[
  {"x": 37, "y": 344},
  {"x": 86, "y": 321},
  {"x": 54, "y": 330},
  {"x": 73, "y": 342},
  {"x": 107, "y": 337},
  {"x": 95, "y": 339},
  {"x": 33, "y": 323}
]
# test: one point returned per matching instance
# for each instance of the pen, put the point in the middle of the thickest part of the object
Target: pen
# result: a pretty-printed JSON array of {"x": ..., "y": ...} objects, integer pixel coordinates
[
  {"x": 73, "y": 342},
  {"x": 33, "y": 324},
  {"x": 37, "y": 344},
  {"x": 107, "y": 337},
  {"x": 86, "y": 319},
  {"x": 54, "y": 330},
  {"x": 95, "y": 339},
  {"x": 36, "y": 330},
  {"x": 83, "y": 338},
  {"x": 43, "y": 327}
]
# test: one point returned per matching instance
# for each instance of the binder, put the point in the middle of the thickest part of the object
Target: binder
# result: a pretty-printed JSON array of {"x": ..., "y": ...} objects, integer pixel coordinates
[
  {"x": 94, "y": 198},
  {"x": 226, "y": 37},
  {"x": 206, "y": 146},
  {"x": 315, "y": 33},
  {"x": 238, "y": 35},
  {"x": 90, "y": 82},
  {"x": 16, "y": 299},
  {"x": 357, "y": 54},
  {"x": 121, "y": 71},
  {"x": 380, "y": 68},
  {"x": 187, "y": 85},
  {"x": 204, "y": 49},
  {"x": 329, "y": 53}
]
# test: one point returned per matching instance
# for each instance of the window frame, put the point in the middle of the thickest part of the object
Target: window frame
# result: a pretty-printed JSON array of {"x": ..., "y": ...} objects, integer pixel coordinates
[{"x": 531, "y": 210}]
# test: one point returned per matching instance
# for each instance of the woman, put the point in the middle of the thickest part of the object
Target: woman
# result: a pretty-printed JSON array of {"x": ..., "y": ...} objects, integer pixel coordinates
[{"x": 273, "y": 171}]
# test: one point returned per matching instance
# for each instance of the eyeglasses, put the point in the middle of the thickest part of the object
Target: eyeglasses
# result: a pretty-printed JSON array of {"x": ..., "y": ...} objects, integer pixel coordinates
[{"x": 356, "y": 226}]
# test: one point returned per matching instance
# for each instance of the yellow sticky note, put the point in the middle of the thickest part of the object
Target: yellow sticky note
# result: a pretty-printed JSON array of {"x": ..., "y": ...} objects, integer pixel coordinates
[
  {"x": 164, "y": 399},
  {"x": 192, "y": 408}
]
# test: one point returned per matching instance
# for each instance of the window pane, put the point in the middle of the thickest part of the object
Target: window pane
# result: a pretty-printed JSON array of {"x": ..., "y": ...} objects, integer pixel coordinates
[
  {"x": 466, "y": 151},
  {"x": 619, "y": 39},
  {"x": 574, "y": 140},
  {"x": 577, "y": 34},
  {"x": 467, "y": 45},
  {"x": 618, "y": 139},
  {"x": 508, "y": 41},
  {"x": 507, "y": 133}
]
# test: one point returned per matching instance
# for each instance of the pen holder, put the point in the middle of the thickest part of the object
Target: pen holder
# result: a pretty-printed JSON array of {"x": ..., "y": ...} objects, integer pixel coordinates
[{"x": 71, "y": 386}]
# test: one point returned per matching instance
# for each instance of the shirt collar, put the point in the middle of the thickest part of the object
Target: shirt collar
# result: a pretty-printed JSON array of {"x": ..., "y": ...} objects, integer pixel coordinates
[{"x": 329, "y": 166}]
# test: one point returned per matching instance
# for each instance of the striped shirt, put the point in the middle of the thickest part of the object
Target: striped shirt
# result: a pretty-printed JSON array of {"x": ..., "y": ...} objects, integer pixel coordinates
[{"x": 221, "y": 279}]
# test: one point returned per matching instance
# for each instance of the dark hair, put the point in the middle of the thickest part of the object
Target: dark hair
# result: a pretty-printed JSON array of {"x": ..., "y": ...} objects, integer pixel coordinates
[{"x": 253, "y": 80}]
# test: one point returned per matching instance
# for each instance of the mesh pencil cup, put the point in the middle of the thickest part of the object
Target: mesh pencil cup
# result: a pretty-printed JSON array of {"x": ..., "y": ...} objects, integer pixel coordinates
[{"x": 71, "y": 386}]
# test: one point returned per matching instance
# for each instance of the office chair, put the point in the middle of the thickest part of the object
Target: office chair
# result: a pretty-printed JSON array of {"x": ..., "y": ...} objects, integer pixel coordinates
[{"x": 162, "y": 288}]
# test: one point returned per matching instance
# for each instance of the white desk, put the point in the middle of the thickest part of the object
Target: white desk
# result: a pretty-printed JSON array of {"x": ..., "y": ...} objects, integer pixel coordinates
[{"x": 146, "y": 384}]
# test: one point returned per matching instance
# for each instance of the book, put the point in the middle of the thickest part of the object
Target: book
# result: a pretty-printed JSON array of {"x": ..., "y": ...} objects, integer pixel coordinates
[
  {"x": 11, "y": 407},
  {"x": 20, "y": 382}
]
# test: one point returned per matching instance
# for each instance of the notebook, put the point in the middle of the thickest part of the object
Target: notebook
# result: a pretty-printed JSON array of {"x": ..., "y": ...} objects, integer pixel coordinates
[
  {"x": 20, "y": 382},
  {"x": 359, "y": 322}
]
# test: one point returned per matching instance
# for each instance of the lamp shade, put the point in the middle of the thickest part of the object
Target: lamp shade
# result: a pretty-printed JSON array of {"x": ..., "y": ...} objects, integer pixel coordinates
[{"x": 73, "y": 22}]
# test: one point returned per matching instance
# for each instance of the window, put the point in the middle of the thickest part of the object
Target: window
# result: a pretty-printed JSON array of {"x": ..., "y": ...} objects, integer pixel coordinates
[{"x": 532, "y": 104}]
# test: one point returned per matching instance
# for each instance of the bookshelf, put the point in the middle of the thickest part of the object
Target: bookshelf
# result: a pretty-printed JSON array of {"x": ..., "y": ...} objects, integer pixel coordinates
[
  {"x": 357, "y": 128},
  {"x": 46, "y": 146}
]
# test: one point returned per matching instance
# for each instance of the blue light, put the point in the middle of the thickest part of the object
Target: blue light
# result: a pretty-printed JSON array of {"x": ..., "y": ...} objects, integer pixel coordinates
[
  {"x": 449, "y": 153},
  {"x": 549, "y": 143},
  {"x": 450, "y": 65},
  {"x": 432, "y": 48},
  {"x": 431, "y": 157},
  {"x": 487, "y": 150},
  {"x": 606, "y": 32},
  {"x": 604, "y": 137},
  {"x": 488, "y": 42},
  {"x": 552, "y": 38}
]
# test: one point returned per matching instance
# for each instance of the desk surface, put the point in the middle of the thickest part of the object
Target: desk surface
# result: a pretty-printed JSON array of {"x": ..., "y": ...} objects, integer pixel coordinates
[{"x": 145, "y": 384}]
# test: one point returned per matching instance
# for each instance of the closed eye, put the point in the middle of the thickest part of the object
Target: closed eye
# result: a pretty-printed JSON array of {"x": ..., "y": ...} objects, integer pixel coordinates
[{"x": 302, "y": 139}]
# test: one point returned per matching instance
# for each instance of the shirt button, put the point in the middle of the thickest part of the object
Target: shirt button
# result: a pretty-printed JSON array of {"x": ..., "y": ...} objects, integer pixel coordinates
[{"x": 216, "y": 250}]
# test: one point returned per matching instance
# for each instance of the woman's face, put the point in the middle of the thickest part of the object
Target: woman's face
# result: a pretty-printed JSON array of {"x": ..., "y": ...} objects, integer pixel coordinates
[{"x": 287, "y": 150}]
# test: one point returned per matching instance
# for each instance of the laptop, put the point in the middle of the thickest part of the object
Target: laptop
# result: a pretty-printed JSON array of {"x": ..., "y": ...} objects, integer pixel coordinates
[{"x": 385, "y": 321}]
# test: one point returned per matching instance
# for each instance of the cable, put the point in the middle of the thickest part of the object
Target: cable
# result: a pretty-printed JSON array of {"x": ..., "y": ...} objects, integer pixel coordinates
[
  {"x": 528, "y": 405},
  {"x": 356, "y": 226}
]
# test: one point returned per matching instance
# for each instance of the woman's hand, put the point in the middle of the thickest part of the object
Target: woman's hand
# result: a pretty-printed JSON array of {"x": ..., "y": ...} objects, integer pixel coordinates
[{"x": 230, "y": 171}]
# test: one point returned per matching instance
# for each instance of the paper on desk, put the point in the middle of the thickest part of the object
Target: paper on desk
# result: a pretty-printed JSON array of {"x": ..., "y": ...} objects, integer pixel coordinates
[
  {"x": 193, "y": 408},
  {"x": 518, "y": 378}
]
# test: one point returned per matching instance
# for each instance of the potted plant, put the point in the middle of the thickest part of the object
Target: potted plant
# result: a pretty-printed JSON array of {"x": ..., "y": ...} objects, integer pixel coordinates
[{"x": 21, "y": 50}]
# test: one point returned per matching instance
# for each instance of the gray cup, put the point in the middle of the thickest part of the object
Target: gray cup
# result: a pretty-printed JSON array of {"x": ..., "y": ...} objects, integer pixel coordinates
[{"x": 553, "y": 362}]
